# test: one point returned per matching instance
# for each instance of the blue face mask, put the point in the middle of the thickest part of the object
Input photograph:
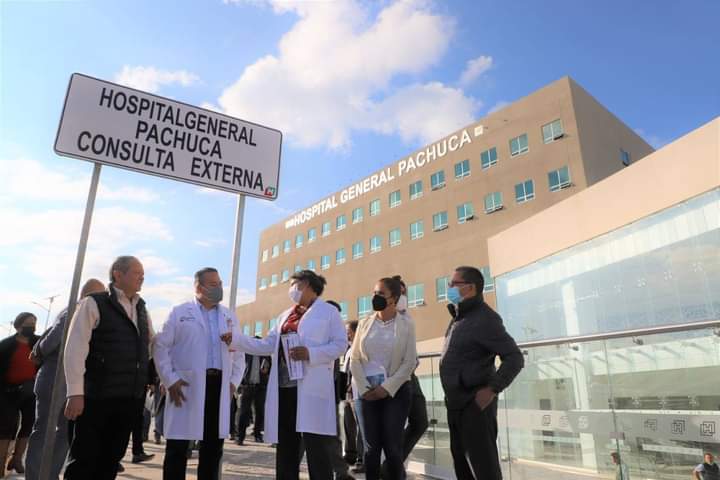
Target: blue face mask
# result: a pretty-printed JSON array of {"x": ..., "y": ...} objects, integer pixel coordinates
[{"x": 453, "y": 295}]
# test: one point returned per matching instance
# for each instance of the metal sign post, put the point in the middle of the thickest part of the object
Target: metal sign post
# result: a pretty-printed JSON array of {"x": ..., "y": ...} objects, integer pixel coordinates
[
  {"x": 58, "y": 400},
  {"x": 239, "y": 215}
]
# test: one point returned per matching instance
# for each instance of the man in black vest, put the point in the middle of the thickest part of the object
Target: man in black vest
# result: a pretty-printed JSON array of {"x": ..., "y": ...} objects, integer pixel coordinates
[
  {"x": 106, "y": 370},
  {"x": 253, "y": 389},
  {"x": 708, "y": 470},
  {"x": 471, "y": 382}
]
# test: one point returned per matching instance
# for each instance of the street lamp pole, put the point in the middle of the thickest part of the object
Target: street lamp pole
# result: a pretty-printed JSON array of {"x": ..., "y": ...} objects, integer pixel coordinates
[{"x": 50, "y": 299}]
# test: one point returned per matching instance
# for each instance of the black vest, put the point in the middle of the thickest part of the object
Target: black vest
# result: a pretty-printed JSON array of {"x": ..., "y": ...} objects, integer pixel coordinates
[
  {"x": 118, "y": 361},
  {"x": 712, "y": 472}
]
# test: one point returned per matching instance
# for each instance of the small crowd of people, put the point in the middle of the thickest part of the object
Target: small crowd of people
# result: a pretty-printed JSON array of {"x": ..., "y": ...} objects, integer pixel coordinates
[{"x": 342, "y": 395}]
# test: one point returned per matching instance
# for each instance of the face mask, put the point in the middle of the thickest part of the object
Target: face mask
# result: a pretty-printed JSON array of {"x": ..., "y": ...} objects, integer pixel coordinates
[
  {"x": 402, "y": 304},
  {"x": 379, "y": 303},
  {"x": 295, "y": 294},
  {"x": 453, "y": 294},
  {"x": 214, "y": 294},
  {"x": 27, "y": 332}
]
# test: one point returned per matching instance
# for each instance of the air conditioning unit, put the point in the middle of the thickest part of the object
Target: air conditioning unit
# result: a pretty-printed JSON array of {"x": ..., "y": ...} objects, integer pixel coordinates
[
  {"x": 559, "y": 136},
  {"x": 470, "y": 217}
]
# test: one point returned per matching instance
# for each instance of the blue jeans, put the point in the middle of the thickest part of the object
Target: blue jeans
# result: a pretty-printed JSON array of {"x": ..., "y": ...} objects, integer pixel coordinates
[{"x": 37, "y": 437}]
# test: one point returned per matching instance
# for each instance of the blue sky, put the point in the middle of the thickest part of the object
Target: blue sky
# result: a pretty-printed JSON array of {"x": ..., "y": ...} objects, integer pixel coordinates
[{"x": 353, "y": 86}]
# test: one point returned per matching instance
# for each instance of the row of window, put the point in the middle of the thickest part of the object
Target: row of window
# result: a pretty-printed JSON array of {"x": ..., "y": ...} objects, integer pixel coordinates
[
  {"x": 524, "y": 191},
  {"x": 415, "y": 293}
]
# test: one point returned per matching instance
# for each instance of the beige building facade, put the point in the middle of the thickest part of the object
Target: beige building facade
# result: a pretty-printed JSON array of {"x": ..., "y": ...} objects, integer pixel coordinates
[{"x": 434, "y": 209}]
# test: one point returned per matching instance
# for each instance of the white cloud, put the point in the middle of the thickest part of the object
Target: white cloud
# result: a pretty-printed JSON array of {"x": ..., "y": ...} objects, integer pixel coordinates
[
  {"x": 498, "y": 106},
  {"x": 475, "y": 68},
  {"x": 334, "y": 71},
  {"x": 150, "y": 79},
  {"x": 655, "y": 141},
  {"x": 33, "y": 180},
  {"x": 210, "y": 242}
]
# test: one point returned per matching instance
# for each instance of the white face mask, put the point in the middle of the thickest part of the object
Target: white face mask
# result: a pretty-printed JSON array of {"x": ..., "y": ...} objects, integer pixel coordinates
[
  {"x": 402, "y": 303},
  {"x": 295, "y": 294}
]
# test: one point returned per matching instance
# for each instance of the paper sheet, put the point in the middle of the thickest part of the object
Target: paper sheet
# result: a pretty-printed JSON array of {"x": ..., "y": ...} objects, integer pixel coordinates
[{"x": 295, "y": 367}]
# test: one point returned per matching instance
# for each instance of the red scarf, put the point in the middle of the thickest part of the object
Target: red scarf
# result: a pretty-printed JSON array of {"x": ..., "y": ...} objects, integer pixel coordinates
[{"x": 293, "y": 321}]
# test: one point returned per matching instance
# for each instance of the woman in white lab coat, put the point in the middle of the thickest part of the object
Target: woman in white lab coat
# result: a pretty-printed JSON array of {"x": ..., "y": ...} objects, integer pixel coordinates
[
  {"x": 300, "y": 403},
  {"x": 382, "y": 358}
]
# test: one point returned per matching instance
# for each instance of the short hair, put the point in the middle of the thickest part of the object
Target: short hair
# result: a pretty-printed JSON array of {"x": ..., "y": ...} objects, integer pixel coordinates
[
  {"x": 472, "y": 275},
  {"x": 89, "y": 286},
  {"x": 708, "y": 453},
  {"x": 394, "y": 284},
  {"x": 316, "y": 282},
  {"x": 121, "y": 264},
  {"x": 399, "y": 279},
  {"x": 199, "y": 274},
  {"x": 353, "y": 324},
  {"x": 20, "y": 319},
  {"x": 334, "y": 304}
]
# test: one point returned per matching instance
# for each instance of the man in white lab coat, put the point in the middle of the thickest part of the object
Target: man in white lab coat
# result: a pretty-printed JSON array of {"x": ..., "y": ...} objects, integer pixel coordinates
[{"x": 200, "y": 373}]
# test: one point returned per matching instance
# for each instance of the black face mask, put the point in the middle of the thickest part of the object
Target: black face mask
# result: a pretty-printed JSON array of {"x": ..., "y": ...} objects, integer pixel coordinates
[
  {"x": 379, "y": 303},
  {"x": 27, "y": 332}
]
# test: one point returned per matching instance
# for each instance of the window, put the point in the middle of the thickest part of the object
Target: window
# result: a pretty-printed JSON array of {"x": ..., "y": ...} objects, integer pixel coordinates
[
  {"x": 343, "y": 310},
  {"x": 416, "y": 230},
  {"x": 489, "y": 280},
  {"x": 625, "y": 157},
  {"x": 524, "y": 191},
  {"x": 375, "y": 207},
  {"x": 394, "y": 199},
  {"x": 488, "y": 158},
  {"x": 265, "y": 255},
  {"x": 263, "y": 283},
  {"x": 440, "y": 221},
  {"x": 324, "y": 262},
  {"x": 357, "y": 250},
  {"x": 272, "y": 324},
  {"x": 552, "y": 131},
  {"x": 375, "y": 244},
  {"x": 286, "y": 246},
  {"x": 493, "y": 202},
  {"x": 246, "y": 330},
  {"x": 441, "y": 285},
  {"x": 364, "y": 305},
  {"x": 273, "y": 279},
  {"x": 416, "y": 190},
  {"x": 311, "y": 265},
  {"x": 285, "y": 275},
  {"x": 462, "y": 169},
  {"x": 340, "y": 257},
  {"x": 357, "y": 215},
  {"x": 437, "y": 180},
  {"x": 275, "y": 251},
  {"x": 299, "y": 238},
  {"x": 465, "y": 212},
  {"x": 340, "y": 222},
  {"x": 416, "y": 295},
  {"x": 559, "y": 179},
  {"x": 298, "y": 268},
  {"x": 518, "y": 145},
  {"x": 325, "y": 229},
  {"x": 312, "y": 235},
  {"x": 395, "y": 237},
  {"x": 258, "y": 328}
]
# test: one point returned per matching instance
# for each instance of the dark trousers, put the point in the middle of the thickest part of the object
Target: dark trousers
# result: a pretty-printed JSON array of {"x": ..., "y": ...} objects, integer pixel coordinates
[
  {"x": 252, "y": 398},
  {"x": 100, "y": 438},
  {"x": 354, "y": 444},
  {"x": 473, "y": 442},
  {"x": 384, "y": 424},
  {"x": 417, "y": 419},
  {"x": 290, "y": 444},
  {"x": 233, "y": 414},
  {"x": 211, "y": 446},
  {"x": 138, "y": 430}
]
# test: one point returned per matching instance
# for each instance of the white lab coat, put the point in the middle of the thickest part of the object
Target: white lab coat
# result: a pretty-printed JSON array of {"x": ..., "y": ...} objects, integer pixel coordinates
[
  {"x": 181, "y": 349},
  {"x": 322, "y": 332}
]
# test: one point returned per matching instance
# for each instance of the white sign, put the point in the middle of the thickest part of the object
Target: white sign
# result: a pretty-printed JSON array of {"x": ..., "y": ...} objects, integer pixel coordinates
[
  {"x": 405, "y": 166},
  {"x": 120, "y": 126}
]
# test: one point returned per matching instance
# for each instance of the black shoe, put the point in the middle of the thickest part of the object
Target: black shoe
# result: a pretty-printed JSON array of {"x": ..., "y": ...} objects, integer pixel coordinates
[
  {"x": 120, "y": 469},
  {"x": 259, "y": 439},
  {"x": 143, "y": 457},
  {"x": 240, "y": 441},
  {"x": 158, "y": 439}
]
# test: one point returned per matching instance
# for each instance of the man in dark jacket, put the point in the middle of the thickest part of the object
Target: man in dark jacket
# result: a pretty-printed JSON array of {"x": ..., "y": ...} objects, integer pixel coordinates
[
  {"x": 253, "y": 390},
  {"x": 471, "y": 382},
  {"x": 106, "y": 359}
]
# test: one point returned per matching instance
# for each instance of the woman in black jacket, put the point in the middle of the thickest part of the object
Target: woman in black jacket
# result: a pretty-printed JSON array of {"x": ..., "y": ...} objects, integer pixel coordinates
[{"x": 17, "y": 401}]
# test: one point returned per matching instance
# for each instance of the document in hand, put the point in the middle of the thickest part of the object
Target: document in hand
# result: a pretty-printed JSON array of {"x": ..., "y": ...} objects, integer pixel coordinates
[{"x": 295, "y": 367}]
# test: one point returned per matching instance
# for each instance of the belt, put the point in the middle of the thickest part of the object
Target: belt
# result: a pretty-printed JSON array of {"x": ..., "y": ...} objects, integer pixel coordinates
[{"x": 214, "y": 372}]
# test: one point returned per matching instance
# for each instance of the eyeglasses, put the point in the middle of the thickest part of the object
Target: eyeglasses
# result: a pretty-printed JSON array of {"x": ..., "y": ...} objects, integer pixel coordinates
[{"x": 452, "y": 284}]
